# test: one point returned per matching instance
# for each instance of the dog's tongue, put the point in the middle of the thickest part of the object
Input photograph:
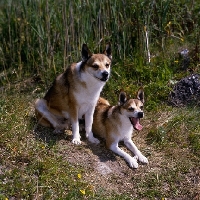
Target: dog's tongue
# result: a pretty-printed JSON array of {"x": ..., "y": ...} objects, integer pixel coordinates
[{"x": 136, "y": 123}]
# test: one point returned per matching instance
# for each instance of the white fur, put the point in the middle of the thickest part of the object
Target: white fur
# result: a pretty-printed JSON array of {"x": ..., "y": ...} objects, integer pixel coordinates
[
  {"x": 131, "y": 160},
  {"x": 42, "y": 108},
  {"x": 126, "y": 130},
  {"x": 87, "y": 100}
]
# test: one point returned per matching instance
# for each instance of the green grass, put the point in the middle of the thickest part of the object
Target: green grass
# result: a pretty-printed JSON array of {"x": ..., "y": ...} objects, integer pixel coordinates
[
  {"x": 34, "y": 166},
  {"x": 172, "y": 130},
  {"x": 30, "y": 167},
  {"x": 42, "y": 38}
]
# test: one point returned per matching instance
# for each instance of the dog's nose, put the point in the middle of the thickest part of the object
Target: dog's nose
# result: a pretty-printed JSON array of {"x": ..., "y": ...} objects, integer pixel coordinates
[
  {"x": 140, "y": 115},
  {"x": 105, "y": 74}
]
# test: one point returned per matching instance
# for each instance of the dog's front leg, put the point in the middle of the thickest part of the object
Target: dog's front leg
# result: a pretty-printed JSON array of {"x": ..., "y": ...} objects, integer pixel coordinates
[
  {"x": 130, "y": 145},
  {"x": 131, "y": 160},
  {"x": 88, "y": 126},
  {"x": 75, "y": 132},
  {"x": 75, "y": 129}
]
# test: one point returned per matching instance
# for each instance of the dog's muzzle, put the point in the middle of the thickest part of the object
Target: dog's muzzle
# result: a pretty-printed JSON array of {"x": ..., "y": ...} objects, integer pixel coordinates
[
  {"x": 140, "y": 114},
  {"x": 105, "y": 76}
]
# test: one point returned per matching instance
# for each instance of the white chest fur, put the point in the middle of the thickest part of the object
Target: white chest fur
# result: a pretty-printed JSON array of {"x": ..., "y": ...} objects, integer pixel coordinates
[
  {"x": 87, "y": 94},
  {"x": 125, "y": 129}
]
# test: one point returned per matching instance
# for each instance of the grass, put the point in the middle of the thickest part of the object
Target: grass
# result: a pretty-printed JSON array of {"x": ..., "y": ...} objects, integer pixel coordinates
[
  {"x": 36, "y": 166},
  {"x": 29, "y": 167},
  {"x": 42, "y": 38}
]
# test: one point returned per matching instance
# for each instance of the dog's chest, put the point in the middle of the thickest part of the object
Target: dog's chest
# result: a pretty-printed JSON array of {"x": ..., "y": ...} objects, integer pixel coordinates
[
  {"x": 125, "y": 129},
  {"x": 126, "y": 132},
  {"x": 88, "y": 93},
  {"x": 86, "y": 101}
]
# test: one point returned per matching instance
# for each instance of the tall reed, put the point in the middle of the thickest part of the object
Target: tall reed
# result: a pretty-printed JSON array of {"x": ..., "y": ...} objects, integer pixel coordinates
[{"x": 42, "y": 37}]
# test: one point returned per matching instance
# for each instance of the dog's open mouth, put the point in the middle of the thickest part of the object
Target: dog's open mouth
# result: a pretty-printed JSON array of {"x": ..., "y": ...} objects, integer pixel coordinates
[{"x": 136, "y": 123}]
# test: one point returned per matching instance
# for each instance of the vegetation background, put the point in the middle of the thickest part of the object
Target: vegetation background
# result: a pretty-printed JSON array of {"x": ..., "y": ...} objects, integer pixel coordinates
[{"x": 40, "y": 38}]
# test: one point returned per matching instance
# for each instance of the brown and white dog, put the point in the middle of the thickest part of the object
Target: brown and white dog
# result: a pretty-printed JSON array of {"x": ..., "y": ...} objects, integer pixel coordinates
[
  {"x": 74, "y": 94},
  {"x": 116, "y": 123}
]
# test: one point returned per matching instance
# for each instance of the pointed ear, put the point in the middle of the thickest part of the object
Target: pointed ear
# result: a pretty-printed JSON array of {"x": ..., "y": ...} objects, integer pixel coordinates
[
  {"x": 140, "y": 95},
  {"x": 108, "y": 51},
  {"x": 122, "y": 98},
  {"x": 86, "y": 53}
]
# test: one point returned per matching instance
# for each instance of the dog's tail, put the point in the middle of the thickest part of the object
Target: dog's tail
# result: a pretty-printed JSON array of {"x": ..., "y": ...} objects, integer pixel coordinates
[{"x": 103, "y": 101}]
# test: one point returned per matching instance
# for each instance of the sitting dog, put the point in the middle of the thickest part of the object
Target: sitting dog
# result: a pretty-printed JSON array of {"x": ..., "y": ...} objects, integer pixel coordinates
[
  {"x": 116, "y": 123},
  {"x": 74, "y": 94}
]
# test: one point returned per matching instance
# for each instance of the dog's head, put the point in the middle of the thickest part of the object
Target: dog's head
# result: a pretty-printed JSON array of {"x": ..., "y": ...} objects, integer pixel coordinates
[
  {"x": 133, "y": 108},
  {"x": 97, "y": 65}
]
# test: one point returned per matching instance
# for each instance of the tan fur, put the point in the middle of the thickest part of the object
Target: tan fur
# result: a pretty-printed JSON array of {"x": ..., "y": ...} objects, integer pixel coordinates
[
  {"x": 74, "y": 94},
  {"x": 103, "y": 101},
  {"x": 113, "y": 123}
]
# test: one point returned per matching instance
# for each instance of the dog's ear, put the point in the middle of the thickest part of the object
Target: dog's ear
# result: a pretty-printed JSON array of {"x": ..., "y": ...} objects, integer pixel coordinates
[
  {"x": 140, "y": 95},
  {"x": 122, "y": 98},
  {"x": 86, "y": 53},
  {"x": 108, "y": 51}
]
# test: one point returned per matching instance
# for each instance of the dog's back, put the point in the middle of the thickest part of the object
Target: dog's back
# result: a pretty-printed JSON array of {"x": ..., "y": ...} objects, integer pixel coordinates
[{"x": 100, "y": 117}]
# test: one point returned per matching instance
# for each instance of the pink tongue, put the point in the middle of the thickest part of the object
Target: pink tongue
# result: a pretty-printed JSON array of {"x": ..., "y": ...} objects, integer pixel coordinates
[{"x": 136, "y": 124}]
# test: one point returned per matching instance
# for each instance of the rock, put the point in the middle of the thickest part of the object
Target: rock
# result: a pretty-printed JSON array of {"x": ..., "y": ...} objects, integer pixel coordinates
[{"x": 186, "y": 91}]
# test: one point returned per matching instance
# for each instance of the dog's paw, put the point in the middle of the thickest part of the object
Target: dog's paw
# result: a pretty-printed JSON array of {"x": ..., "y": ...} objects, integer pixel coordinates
[
  {"x": 132, "y": 162},
  {"x": 76, "y": 141},
  {"x": 143, "y": 159},
  {"x": 94, "y": 140}
]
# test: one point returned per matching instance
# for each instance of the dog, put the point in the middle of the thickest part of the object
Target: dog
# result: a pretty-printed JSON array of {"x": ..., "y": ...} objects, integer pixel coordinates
[
  {"x": 74, "y": 94},
  {"x": 116, "y": 123}
]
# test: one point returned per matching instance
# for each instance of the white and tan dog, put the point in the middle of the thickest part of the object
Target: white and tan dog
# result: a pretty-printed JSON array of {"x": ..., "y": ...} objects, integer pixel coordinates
[
  {"x": 116, "y": 123},
  {"x": 74, "y": 94}
]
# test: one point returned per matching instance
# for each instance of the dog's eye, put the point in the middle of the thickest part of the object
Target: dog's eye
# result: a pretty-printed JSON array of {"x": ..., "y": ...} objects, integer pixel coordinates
[
  {"x": 141, "y": 107},
  {"x": 95, "y": 66},
  {"x": 131, "y": 109},
  {"x": 107, "y": 65}
]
